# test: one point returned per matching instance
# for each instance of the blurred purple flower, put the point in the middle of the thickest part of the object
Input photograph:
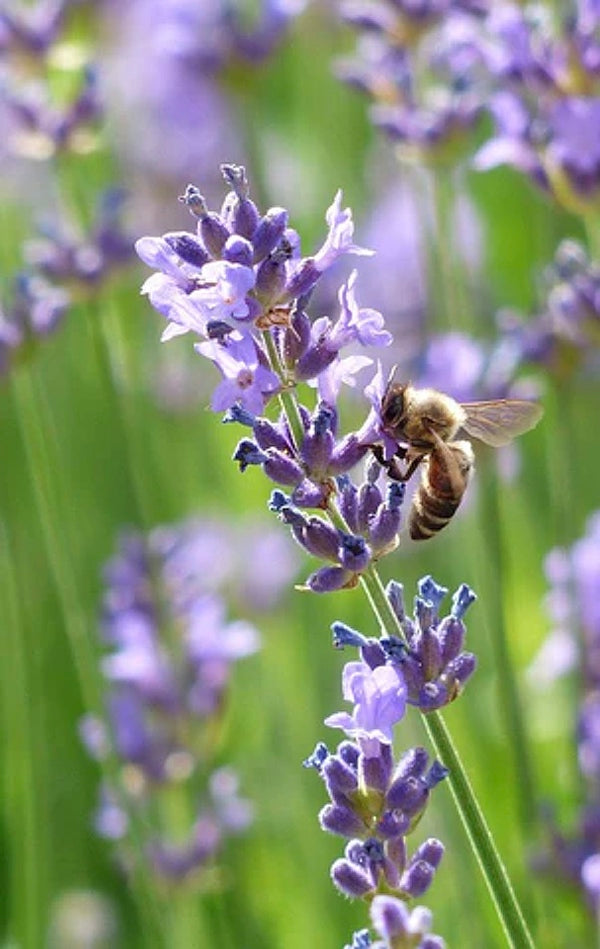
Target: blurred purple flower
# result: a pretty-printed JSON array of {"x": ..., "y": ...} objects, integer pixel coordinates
[
  {"x": 574, "y": 576},
  {"x": 170, "y": 654}
]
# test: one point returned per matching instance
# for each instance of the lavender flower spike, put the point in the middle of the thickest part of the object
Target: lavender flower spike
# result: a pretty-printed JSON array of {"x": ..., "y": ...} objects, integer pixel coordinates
[{"x": 160, "y": 702}]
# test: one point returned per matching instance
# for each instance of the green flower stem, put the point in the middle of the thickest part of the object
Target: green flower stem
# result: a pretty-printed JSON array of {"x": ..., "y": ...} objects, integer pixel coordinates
[
  {"x": 448, "y": 268},
  {"x": 472, "y": 817},
  {"x": 26, "y": 833},
  {"x": 591, "y": 223},
  {"x": 120, "y": 409},
  {"x": 287, "y": 397},
  {"x": 509, "y": 697},
  {"x": 43, "y": 460}
]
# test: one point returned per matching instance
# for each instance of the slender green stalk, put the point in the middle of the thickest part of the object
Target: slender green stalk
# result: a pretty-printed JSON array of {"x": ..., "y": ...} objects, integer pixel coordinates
[
  {"x": 509, "y": 697},
  {"x": 120, "y": 410},
  {"x": 287, "y": 399},
  {"x": 43, "y": 460},
  {"x": 449, "y": 268},
  {"x": 591, "y": 223},
  {"x": 28, "y": 843},
  {"x": 476, "y": 827}
]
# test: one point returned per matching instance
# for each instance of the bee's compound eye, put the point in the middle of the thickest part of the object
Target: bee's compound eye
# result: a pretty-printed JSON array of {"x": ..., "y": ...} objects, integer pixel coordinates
[{"x": 392, "y": 409}]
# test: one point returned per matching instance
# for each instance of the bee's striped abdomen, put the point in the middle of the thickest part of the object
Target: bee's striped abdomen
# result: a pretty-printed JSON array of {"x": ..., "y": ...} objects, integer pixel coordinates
[{"x": 443, "y": 484}]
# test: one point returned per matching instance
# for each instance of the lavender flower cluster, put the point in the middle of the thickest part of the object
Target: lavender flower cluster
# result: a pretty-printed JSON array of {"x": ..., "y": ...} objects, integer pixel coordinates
[
  {"x": 37, "y": 124},
  {"x": 421, "y": 66},
  {"x": 241, "y": 285},
  {"x": 61, "y": 265},
  {"x": 170, "y": 652},
  {"x": 375, "y": 801},
  {"x": 574, "y": 575},
  {"x": 432, "y": 69},
  {"x": 564, "y": 335}
]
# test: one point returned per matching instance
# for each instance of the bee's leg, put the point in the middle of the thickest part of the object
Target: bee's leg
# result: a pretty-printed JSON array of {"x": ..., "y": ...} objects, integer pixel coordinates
[{"x": 393, "y": 465}]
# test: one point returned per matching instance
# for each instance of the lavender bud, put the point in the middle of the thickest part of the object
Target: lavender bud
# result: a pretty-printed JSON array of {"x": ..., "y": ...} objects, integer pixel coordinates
[
  {"x": 375, "y": 772},
  {"x": 369, "y": 500},
  {"x": 354, "y": 554},
  {"x": 349, "y": 752},
  {"x": 340, "y": 779},
  {"x": 417, "y": 878},
  {"x": 328, "y": 579},
  {"x": 451, "y": 637},
  {"x": 373, "y": 654},
  {"x": 431, "y": 851},
  {"x": 341, "y": 820},
  {"x": 348, "y": 501},
  {"x": 270, "y": 278},
  {"x": 187, "y": 247},
  {"x": 318, "y": 757},
  {"x": 350, "y": 880},
  {"x": 346, "y": 454},
  {"x": 320, "y": 539},
  {"x": 281, "y": 468},
  {"x": 310, "y": 494},
  {"x": 269, "y": 435},
  {"x": 409, "y": 795},
  {"x": 317, "y": 445},
  {"x": 244, "y": 213},
  {"x": 237, "y": 413},
  {"x": 314, "y": 361},
  {"x": 344, "y": 635},
  {"x": 430, "y": 654},
  {"x": 211, "y": 228},
  {"x": 462, "y": 668},
  {"x": 238, "y": 250},
  {"x": 395, "y": 594},
  {"x": 413, "y": 764},
  {"x": 383, "y": 533},
  {"x": 393, "y": 826},
  {"x": 247, "y": 453},
  {"x": 431, "y": 591},
  {"x": 303, "y": 280},
  {"x": 297, "y": 337},
  {"x": 433, "y": 695},
  {"x": 269, "y": 231},
  {"x": 462, "y": 600},
  {"x": 425, "y": 613}
]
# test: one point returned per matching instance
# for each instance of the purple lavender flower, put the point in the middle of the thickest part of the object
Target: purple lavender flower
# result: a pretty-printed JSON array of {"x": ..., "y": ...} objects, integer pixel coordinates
[
  {"x": 572, "y": 602},
  {"x": 563, "y": 335},
  {"x": 379, "y": 698},
  {"x": 375, "y": 804},
  {"x": 164, "y": 66},
  {"x": 241, "y": 275},
  {"x": 397, "y": 925},
  {"x": 35, "y": 310},
  {"x": 545, "y": 104},
  {"x": 63, "y": 255},
  {"x": 245, "y": 380},
  {"x": 160, "y": 700},
  {"x": 398, "y": 44}
]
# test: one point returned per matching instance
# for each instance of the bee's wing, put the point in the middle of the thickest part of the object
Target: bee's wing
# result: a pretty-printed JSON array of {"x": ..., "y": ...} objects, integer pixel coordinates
[{"x": 499, "y": 421}]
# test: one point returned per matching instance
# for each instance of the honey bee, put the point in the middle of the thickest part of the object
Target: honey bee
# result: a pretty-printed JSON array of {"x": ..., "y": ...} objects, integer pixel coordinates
[{"x": 426, "y": 422}]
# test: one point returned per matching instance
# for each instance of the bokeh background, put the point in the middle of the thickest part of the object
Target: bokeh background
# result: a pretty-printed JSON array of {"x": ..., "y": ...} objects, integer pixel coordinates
[{"x": 103, "y": 428}]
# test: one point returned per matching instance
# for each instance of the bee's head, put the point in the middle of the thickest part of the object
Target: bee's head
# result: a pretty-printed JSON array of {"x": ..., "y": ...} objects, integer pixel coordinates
[{"x": 393, "y": 406}]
